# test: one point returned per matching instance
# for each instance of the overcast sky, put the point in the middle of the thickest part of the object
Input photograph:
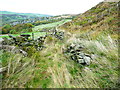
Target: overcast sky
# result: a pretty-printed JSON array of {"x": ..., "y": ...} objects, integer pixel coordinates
[{"x": 51, "y": 7}]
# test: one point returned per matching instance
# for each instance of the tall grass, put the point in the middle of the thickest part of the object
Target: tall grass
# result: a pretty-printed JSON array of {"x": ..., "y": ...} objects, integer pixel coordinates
[
  {"x": 102, "y": 73},
  {"x": 51, "y": 68}
]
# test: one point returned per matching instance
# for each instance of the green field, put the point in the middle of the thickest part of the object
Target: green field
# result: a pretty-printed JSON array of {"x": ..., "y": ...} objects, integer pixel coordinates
[
  {"x": 36, "y": 34},
  {"x": 55, "y": 24},
  {"x": 40, "y": 27}
]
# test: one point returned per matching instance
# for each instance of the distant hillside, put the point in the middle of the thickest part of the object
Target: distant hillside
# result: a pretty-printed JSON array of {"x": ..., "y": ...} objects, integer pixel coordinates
[
  {"x": 69, "y": 16},
  {"x": 99, "y": 20},
  {"x": 28, "y": 14},
  {"x": 7, "y": 16}
]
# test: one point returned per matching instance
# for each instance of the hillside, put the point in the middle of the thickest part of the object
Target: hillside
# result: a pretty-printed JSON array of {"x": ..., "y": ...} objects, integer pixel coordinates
[
  {"x": 28, "y": 14},
  {"x": 8, "y": 17},
  {"x": 70, "y": 16},
  {"x": 99, "y": 20},
  {"x": 82, "y": 53}
]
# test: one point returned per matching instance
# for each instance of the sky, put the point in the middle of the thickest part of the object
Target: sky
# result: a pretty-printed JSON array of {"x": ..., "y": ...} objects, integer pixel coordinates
[{"x": 50, "y": 7}]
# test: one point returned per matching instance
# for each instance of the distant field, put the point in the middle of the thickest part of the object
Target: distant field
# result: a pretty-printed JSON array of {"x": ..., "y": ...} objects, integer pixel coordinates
[{"x": 38, "y": 28}]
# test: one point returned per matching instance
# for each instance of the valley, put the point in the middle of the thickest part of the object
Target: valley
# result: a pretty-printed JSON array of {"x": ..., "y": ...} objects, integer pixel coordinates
[{"x": 66, "y": 51}]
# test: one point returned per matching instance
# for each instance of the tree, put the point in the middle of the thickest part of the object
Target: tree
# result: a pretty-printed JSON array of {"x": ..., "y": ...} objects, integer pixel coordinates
[
  {"x": 6, "y": 29},
  {"x": 13, "y": 32}
]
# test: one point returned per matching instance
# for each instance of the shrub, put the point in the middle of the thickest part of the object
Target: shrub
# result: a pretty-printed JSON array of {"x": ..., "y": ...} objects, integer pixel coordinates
[{"x": 13, "y": 32}]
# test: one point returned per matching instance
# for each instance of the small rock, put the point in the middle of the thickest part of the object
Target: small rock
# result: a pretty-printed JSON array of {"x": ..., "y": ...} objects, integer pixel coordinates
[
  {"x": 87, "y": 60},
  {"x": 81, "y": 61}
]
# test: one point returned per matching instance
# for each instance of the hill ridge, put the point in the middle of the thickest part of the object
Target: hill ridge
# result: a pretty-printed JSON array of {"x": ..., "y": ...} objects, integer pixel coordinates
[{"x": 103, "y": 18}]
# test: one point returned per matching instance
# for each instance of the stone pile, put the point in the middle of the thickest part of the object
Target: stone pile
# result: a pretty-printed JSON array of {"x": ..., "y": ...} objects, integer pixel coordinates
[
  {"x": 24, "y": 40},
  {"x": 39, "y": 42},
  {"x": 53, "y": 32},
  {"x": 75, "y": 52},
  {"x": 58, "y": 34}
]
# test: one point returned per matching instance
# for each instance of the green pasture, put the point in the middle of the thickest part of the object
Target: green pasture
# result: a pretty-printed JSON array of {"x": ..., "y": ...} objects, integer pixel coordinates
[
  {"x": 36, "y": 34},
  {"x": 36, "y": 29},
  {"x": 55, "y": 24}
]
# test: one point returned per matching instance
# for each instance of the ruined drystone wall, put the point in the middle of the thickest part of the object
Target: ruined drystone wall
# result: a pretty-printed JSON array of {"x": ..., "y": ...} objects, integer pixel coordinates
[{"x": 75, "y": 53}]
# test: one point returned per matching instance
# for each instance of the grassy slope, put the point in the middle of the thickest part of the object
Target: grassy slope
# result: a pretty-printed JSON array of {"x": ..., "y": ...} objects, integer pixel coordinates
[
  {"x": 97, "y": 29},
  {"x": 99, "y": 20},
  {"x": 50, "y": 68}
]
